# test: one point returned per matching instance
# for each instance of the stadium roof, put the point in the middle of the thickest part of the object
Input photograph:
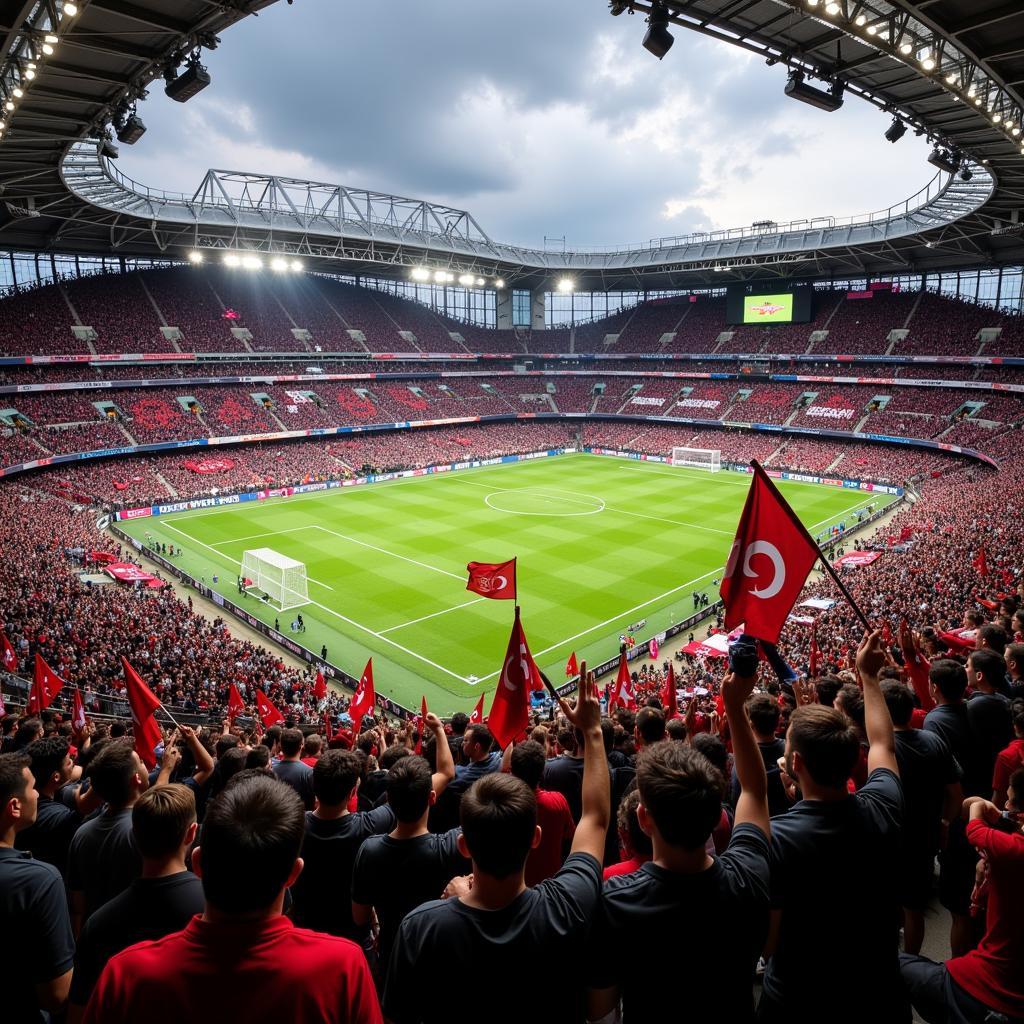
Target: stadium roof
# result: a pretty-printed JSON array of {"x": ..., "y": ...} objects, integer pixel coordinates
[{"x": 951, "y": 69}]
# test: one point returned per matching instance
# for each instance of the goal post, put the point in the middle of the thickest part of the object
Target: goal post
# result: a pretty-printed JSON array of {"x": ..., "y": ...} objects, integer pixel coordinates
[
  {"x": 282, "y": 579},
  {"x": 698, "y": 458}
]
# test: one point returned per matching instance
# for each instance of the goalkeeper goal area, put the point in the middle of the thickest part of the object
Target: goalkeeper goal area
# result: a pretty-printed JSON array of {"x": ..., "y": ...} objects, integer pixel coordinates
[
  {"x": 698, "y": 458},
  {"x": 281, "y": 579}
]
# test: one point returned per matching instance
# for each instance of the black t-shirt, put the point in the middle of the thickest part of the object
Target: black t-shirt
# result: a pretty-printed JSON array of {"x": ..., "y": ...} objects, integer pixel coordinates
[
  {"x": 832, "y": 880},
  {"x": 300, "y": 777},
  {"x": 520, "y": 963},
  {"x": 397, "y": 875},
  {"x": 778, "y": 803},
  {"x": 149, "y": 908},
  {"x": 636, "y": 941},
  {"x": 371, "y": 790},
  {"x": 49, "y": 837},
  {"x": 991, "y": 723},
  {"x": 322, "y": 894},
  {"x": 950, "y": 723},
  {"x": 36, "y": 944},
  {"x": 564, "y": 774},
  {"x": 103, "y": 860},
  {"x": 926, "y": 767}
]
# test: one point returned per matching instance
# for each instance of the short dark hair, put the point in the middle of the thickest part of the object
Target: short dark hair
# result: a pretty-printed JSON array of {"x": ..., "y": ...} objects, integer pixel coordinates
[
  {"x": 12, "y": 776},
  {"x": 234, "y": 761},
  {"x": 850, "y": 700},
  {"x": 682, "y": 791},
  {"x": 335, "y": 776},
  {"x": 27, "y": 732},
  {"x": 224, "y": 744},
  {"x": 112, "y": 772},
  {"x": 528, "y": 762},
  {"x": 251, "y": 838},
  {"x": 827, "y": 687},
  {"x": 160, "y": 819},
  {"x": 676, "y": 729},
  {"x": 827, "y": 741},
  {"x": 763, "y": 712},
  {"x": 272, "y": 736},
  {"x": 899, "y": 700},
  {"x": 408, "y": 787},
  {"x": 312, "y": 745},
  {"x": 47, "y": 757},
  {"x": 949, "y": 678},
  {"x": 459, "y": 722},
  {"x": 713, "y": 748},
  {"x": 628, "y": 823},
  {"x": 258, "y": 757},
  {"x": 291, "y": 742},
  {"x": 989, "y": 664},
  {"x": 498, "y": 816},
  {"x": 479, "y": 733},
  {"x": 994, "y": 636},
  {"x": 650, "y": 724},
  {"x": 390, "y": 757},
  {"x": 1015, "y": 652}
]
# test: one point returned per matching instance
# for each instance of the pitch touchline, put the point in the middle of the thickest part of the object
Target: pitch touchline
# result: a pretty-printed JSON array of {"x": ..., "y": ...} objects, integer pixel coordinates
[
  {"x": 432, "y": 615},
  {"x": 331, "y": 611}
]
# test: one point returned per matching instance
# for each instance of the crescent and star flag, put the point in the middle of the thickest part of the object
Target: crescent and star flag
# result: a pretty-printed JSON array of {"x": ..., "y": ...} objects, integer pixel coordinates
[
  {"x": 143, "y": 703},
  {"x": 236, "y": 706},
  {"x": 572, "y": 667},
  {"x": 46, "y": 684},
  {"x": 364, "y": 699},
  {"x": 981, "y": 562},
  {"x": 497, "y": 580},
  {"x": 768, "y": 564},
  {"x": 78, "y": 711},
  {"x": 623, "y": 691},
  {"x": 510, "y": 711},
  {"x": 8, "y": 655},
  {"x": 478, "y": 712},
  {"x": 319, "y": 687},
  {"x": 269, "y": 715},
  {"x": 422, "y": 720},
  {"x": 669, "y": 697},
  {"x": 653, "y": 647}
]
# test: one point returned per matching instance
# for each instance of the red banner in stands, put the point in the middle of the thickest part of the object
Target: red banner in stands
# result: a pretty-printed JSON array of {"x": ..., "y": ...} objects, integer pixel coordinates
[
  {"x": 125, "y": 572},
  {"x": 213, "y": 465},
  {"x": 858, "y": 558}
]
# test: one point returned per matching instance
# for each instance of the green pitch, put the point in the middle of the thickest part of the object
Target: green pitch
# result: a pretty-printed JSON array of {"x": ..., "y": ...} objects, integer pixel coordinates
[{"x": 602, "y": 543}]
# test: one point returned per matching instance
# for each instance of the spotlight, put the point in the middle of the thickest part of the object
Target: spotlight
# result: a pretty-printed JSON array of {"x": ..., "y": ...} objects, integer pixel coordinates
[
  {"x": 499, "y": 283},
  {"x": 966, "y": 174},
  {"x": 131, "y": 130},
  {"x": 928, "y": 62},
  {"x": 70, "y": 10},
  {"x": 50, "y": 38},
  {"x": 29, "y": 74},
  {"x": 194, "y": 79},
  {"x": 566, "y": 284},
  {"x": 18, "y": 93},
  {"x": 48, "y": 49},
  {"x": 896, "y": 130},
  {"x": 195, "y": 256},
  {"x": 466, "y": 280},
  {"x": 231, "y": 260},
  {"x": 798, "y": 89},
  {"x": 278, "y": 264},
  {"x": 296, "y": 266},
  {"x": 252, "y": 262},
  {"x": 9, "y": 105},
  {"x": 832, "y": 8},
  {"x": 945, "y": 160},
  {"x": 420, "y": 274},
  {"x": 480, "y": 282},
  {"x": 658, "y": 40}
]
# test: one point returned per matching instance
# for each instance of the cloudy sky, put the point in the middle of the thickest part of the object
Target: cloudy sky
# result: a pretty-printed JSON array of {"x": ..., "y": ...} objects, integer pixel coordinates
[{"x": 542, "y": 117}]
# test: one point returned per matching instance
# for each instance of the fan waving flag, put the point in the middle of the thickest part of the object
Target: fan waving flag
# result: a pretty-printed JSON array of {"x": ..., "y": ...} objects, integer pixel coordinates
[
  {"x": 421, "y": 725},
  {"x": 623, "y": 691},
  {"x": 572, "y": 667},
  {"x": 319, "y": 687},
  {"x": 769, "y": 562},
  {"x": 478, "y": 712},
  {"x": 494, "y": 580},
  {"x": 364, "y": 699},
  {"x": 78, "y": 712},
  {"x": 269, "y": 715},
  {"x": 8, "y": 655},
  {"x": 46, "y": 684},
  {"x": 510, "y": 711},
  {"x": 669, "y": 699},
  {"x": 980, "y": 562},
  {"x": 236, "y": 706},
  {"x": 143, "y": 703}
]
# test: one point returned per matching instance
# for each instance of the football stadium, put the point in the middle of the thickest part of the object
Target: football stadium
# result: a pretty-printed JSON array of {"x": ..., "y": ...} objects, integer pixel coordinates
[{"x": 400, "y": 588}]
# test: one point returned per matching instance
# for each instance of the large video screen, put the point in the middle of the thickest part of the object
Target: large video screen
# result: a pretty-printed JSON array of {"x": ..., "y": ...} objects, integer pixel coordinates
[{"x": 745, "y": 305}]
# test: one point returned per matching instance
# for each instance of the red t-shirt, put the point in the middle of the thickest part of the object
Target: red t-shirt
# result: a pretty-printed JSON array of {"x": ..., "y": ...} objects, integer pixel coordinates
[
  {"x": 556, "y": 830},
  {"x": 626, "y": 867},
  {"x": 992, "y": 972},
  {"x": 1008, "y": 760},
  {"x": 247, "y": 970}
]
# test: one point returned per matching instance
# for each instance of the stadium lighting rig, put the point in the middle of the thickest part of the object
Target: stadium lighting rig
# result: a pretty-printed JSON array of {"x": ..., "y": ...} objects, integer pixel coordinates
[{"x": 423, "y": 275}]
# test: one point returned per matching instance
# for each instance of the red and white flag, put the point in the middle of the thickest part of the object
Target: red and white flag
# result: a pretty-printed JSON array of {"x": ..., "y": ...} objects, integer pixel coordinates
[
  {"x": 269, "y": 715},
  {"x": 46, "y": 684},
  {"x": 653, "y": 647},
  {"x": 236, "y": 706},
  {"x": 364, "y": 699},
  {"x": 320, "y": 686},
  {"x": 622, "y": 693},
  {"x": 669, "y": 700},
  {"x": 494, "y": 580},
  {"x": 143, "y": 703},
  {"x": 572, "y": 667},
  {"x": 78, "y": 711},
  {"x": 510, "y": 711},
  {"x": 769, "y": 562},
  {"x": 328, "y": 727},
  {"x": 980, "y": 562},
  {"x": 421, "y": 725},
  {"x": 478, "y": 712},
  {"x": 8, "y": 655}
]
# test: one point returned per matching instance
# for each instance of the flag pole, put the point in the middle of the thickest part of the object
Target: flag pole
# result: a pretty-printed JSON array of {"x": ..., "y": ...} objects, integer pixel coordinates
[
  {"x": 174, "y": 721},
  {"x": 825, "y": 563}
]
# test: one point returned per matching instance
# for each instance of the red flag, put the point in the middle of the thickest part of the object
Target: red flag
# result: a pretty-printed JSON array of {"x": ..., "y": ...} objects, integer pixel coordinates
[
  {"x": 981, "y": 563},
  {"x": 78, "y": 712},
  {"x": 422, "y": 724},
  {"x": 319, "y": 687},
  {"x": 236, "y": 706},
  {"x": 774, "y": 554},
  {"x": 653, "y": 648},
  {"x": 8, "y": 655},
  {"x": 623, "y": 691},
  {"x": 269, "y": 715},
  {"x": 328, "y": 728},
  {"x": 572, "y": 668},
  {"x": 478, "y": 712},
  {"x": 143, "y": 703},
  {"x": 364, "y": 699},
  {"x": 815, "y": 658},
  {"x": 886, "y": 633},
  {"x": 510, "y": 711},
  {"x": 671, "y": 708},
  {"x": 46, "y": 684},
  {"x": 495, "y": 580}
]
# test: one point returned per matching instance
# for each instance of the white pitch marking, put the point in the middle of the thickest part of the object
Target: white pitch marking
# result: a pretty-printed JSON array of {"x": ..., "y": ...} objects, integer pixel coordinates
[
  {"x": 432, "y": 615},
  {"x": 393, "y": 554}
]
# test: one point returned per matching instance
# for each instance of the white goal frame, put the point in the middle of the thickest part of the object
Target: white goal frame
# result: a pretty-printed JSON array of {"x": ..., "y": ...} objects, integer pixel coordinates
[
  {"x": 698, "y": 458},
  {"x": 282, "y": 579}
]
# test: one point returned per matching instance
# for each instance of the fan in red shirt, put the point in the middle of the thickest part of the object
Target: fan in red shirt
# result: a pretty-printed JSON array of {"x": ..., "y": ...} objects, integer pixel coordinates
[
  {"x": 1010, "y": 759},
  {"x": 241, "y": 958},
  {"x": 635, "y": 844},
  {"x": 557, "y": 826}
]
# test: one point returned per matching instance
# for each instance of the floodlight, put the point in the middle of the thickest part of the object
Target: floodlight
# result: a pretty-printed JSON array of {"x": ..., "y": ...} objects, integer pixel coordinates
[
  {"x": 296, "y": 265},
  {"x": 132, "y": 130},
  {"x": 70, "y": 10},
  {"x": 499, "y": 283},
  {"x": 480, "y": 282},
  {"x": 195, "y": 256},
  {"x": 832, "y": 8},
  {"x": 278, "y": 264},
  {"x": 231, "y": 260},
  {"x": 658, "y": 40},
  {"x": 928, "y": 62},
  {"x": 798, "y": 89},
  {"x": 466, "y": 280},
  {"x": 896, "y": 130},
  {"x": 566, "y": 284},
  {"x": 420, "y": 274},
  {"x": 49, "y": 38},
  {"x": 252, "y": 262},
  {"x": 48, "y": 49},
  {"x": 945, "y": 160},
  {"x": 30, "y": 74},
  {"x": 17, "y": 92},
  {"x": 192, "y": 80},
  {"x": 9, "y": 105}
]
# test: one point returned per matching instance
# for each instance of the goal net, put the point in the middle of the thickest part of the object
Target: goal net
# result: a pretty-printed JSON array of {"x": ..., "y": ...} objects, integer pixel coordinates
[
  {"x": 698, "y": 458},
  {"x": 282, "y": 579}
]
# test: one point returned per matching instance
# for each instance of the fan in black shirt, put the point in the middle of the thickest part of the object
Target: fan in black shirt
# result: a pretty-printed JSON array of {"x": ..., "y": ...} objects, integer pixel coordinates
[{"x": 49, "y": 838}]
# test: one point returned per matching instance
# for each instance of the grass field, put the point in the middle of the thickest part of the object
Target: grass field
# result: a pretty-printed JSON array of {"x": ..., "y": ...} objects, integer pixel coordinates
[{"x": 601, "y": 543}]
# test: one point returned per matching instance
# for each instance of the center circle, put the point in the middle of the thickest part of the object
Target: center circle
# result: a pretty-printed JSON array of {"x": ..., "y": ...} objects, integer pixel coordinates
[{"x": 529, "y": 502}]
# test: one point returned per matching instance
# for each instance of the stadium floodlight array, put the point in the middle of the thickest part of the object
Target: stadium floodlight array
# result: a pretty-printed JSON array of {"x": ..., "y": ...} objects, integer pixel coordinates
[
  {"x": 698, "y": 458},
  {"x": 281, "y": 579}
]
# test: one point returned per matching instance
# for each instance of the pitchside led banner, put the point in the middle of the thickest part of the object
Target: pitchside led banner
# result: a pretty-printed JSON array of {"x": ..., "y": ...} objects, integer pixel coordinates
[{"x": 768, "y": 309}]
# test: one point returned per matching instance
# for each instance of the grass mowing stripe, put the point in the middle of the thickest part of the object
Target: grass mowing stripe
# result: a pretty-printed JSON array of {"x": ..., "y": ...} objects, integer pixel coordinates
[{"x": 432, "y": 615}]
